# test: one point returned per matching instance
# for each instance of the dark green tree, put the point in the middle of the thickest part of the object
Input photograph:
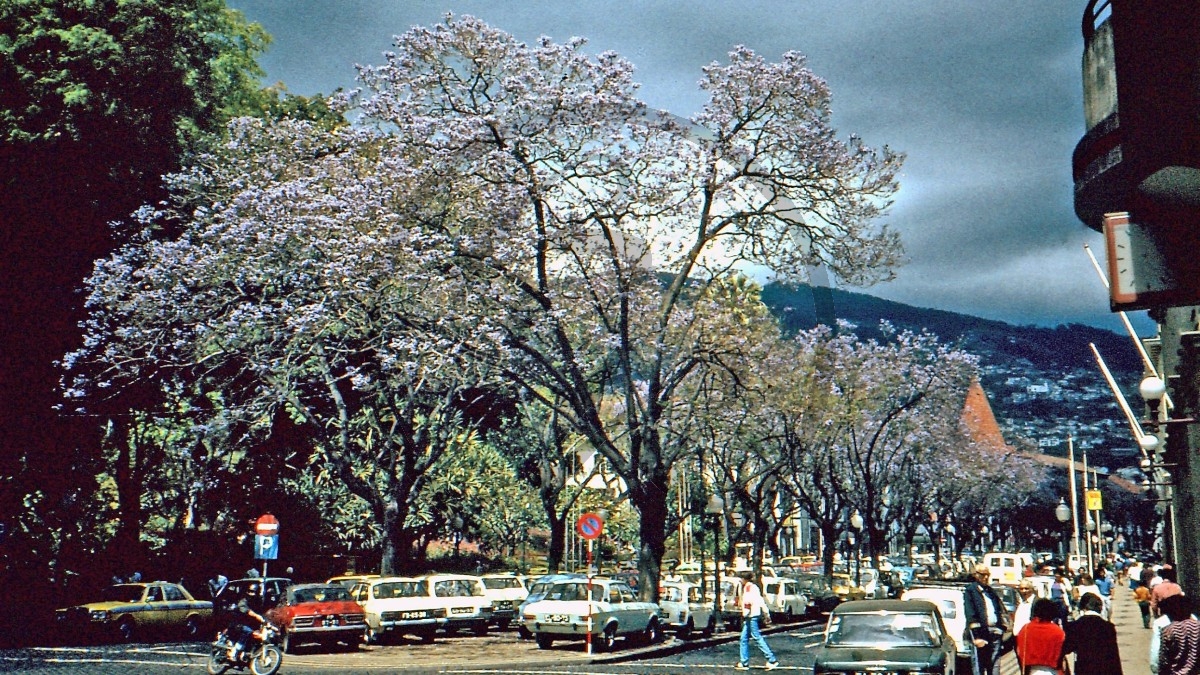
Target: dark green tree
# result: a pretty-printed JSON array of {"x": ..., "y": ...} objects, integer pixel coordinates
[{"x": 98, "y": 100}]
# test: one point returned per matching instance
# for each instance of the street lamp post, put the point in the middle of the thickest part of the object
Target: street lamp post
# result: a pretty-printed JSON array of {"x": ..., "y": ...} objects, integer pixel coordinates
[
  {"x": 716, "y": 508},
  {"x": 1063, "y": 513},
  {"x": 856, "y": 522}
]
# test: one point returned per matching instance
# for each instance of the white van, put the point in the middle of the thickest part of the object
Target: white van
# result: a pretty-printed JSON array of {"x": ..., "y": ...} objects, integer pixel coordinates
[{"x": 1006, "y": 568}]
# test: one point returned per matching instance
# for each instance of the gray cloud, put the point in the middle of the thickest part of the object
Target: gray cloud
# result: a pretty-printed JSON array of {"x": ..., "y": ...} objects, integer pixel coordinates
[{"x": 984, "y": 97}]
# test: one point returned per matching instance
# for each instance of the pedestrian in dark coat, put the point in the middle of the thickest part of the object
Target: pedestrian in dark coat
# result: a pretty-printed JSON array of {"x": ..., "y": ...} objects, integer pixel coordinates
[
  {"x": 1093, "y": 640},
  {"x": 985, "y": 615}
]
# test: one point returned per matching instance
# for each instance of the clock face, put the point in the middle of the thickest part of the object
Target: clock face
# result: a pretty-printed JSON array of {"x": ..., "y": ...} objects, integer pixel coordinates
[{"x": 1145, "y": 266}]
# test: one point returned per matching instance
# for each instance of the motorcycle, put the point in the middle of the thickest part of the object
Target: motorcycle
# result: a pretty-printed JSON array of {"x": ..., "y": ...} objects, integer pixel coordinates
[{"x": 261, "y": 655}]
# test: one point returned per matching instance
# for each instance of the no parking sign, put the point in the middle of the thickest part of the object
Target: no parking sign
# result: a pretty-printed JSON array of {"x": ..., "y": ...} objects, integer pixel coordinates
[{"x": 589, "y": 526}]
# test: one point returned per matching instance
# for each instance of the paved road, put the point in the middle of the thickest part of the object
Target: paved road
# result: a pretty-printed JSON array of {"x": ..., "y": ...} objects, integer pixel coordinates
[
  {"x": 500, "y": 653},
  {"x": 496, "y": 653}
]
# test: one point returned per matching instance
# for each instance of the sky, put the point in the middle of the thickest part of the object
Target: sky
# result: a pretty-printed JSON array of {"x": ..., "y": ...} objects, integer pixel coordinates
[{"x": 984, "y": 98}]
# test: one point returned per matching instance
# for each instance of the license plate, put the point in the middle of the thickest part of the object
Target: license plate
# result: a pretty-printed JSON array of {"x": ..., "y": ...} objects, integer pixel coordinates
[
  {"x": 558, "y": 618},
  {"x": 462, "y": 610},
  {"x": 413, "y": 615}
]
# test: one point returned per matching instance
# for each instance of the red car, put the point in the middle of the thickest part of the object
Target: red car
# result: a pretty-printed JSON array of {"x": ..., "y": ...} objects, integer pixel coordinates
[{"x": 319, "y": 613}]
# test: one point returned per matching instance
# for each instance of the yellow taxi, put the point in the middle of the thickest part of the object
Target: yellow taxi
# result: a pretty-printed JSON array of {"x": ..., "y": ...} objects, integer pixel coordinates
[{"x": 126, "y": 610}]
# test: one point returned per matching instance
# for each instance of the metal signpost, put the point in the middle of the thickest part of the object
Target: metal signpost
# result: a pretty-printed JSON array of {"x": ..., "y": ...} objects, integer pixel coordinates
[{"x": 589, "y": 526}]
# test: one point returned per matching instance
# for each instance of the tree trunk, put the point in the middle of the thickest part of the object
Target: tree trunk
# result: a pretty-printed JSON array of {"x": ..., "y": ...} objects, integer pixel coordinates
[
  {"x": 829, "y": 536},
  {"x": 128, "y": 540},
  {"x": 558, "y": 541},
  {"x": 388, "y": 562},
  {"x": 650, "y": 499}
]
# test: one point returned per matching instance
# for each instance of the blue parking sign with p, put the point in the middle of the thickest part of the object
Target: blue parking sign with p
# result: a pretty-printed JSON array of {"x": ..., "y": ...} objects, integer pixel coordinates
[{"x": 266, "y": 546}]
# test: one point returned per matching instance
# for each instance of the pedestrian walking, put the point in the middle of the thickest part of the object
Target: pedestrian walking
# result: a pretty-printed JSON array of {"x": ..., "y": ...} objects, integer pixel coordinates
[
  {"x": 1040, "y": 642},
  {"x": 753, "y": 609},
  {"x": 1135, "y": 575},
  {"x": 985, "y": 620},
  {"x": 1163, "y": 589},
  {"x": 1061, "y": 596},
  {"x": 1093, "y": 640},
  {"x": 1179, "y": 652},
  {"x": 1175, "y": 605},
  {"x": 1141, "y": 595},
  {"x": 1104, "y": 583}
]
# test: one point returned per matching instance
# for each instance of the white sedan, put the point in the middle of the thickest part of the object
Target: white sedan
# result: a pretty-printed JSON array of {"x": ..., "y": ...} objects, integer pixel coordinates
[{"x": 602, "y": 608}]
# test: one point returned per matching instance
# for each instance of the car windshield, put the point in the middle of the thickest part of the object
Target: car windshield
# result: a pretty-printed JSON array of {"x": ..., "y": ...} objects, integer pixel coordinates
[
  {"x": 320, "y": 594},
  {"x": 400, "y": 589},
  {"x": 123, "y": 593},
  {"x": 574, "y": 590},
  {"x": 882, "y": 630},
  {"x": 457, "y": 588},
  {"x": 496, "y": 583},
  {"x": 670, "y": 594}
]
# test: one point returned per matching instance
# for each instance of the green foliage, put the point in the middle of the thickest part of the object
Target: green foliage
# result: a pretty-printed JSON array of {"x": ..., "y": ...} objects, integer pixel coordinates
[{"x": 148, "y": 71}]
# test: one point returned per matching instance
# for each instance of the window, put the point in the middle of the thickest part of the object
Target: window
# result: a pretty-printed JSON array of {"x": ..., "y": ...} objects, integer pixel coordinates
[
  {"x": 173, "y": 594},
  {"x": 154, "y": 594}
]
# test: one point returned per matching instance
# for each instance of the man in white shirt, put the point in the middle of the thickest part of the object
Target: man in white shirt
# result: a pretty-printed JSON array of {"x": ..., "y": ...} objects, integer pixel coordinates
[
  {"x": 753, "y": 609},
  {"x": 1024, "y": 608}
]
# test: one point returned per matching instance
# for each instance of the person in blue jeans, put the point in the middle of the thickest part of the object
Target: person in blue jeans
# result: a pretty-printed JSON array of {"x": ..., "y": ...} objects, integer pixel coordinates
[{"x": 753, "y": 609}]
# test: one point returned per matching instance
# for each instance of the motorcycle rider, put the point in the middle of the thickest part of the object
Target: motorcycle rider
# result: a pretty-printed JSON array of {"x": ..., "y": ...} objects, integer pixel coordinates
[{"x": 240, "y": 629}]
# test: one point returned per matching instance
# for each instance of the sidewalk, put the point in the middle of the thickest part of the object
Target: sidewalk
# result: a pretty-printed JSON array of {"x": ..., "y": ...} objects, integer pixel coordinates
[{"x": 1133, "y": 641}]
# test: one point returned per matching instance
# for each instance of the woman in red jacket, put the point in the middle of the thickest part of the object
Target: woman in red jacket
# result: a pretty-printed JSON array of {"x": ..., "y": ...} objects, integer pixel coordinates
[{"x": 1040, "y": 642}]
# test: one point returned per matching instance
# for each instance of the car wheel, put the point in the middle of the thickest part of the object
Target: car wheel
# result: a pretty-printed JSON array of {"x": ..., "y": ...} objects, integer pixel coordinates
[
  {"x": 523, "y": 632},
  {"x": 544, "y": 641},
  {"x": 480, "y": 629},
  {"x": 608, "y": 639},
  {"x": 653, "y": 633},
  {"x": 788, "y": 615},
  {"x": 125, "y": 630},
  {"x": 191, "y": 628},
  {"x": 710, "y": 627},
  {"x": 686, "y": 632}
]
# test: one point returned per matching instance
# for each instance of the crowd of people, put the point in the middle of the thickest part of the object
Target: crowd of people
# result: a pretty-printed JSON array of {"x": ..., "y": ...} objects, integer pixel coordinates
[{"x": 1070, "y": 632}]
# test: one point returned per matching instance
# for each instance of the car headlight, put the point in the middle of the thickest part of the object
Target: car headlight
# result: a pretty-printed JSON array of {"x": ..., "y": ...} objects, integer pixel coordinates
[{"x": 98, "y": 615}]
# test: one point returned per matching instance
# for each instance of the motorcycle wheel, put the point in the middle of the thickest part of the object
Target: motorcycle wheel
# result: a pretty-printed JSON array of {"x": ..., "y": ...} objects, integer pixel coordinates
[
  {"x": 216, "y": 662},
  {"x": 266, "y": 660}
]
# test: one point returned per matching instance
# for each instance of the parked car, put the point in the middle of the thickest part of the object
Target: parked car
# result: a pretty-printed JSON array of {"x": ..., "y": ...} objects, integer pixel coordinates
[
  {"x": 126, "y": 610},
  {"x": 507, "y": 592},
  {"x": 605, "y": 609},
  {"x": 350, "y": 580},
  {"x": 952, "y": 605},
  {"x": 537, "y": 591},
  {"x": 397, "y": 606},
  {"x": 821, "y": 596},
  {"x": 683, "y": 609},
  {"x": 892, "y": 636},
  {"x": 846, "y": 589},
  {"x": 464, "y": 600},
  {"x": 784, "y": 598},
  {"x": 324, "y": 614}
]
